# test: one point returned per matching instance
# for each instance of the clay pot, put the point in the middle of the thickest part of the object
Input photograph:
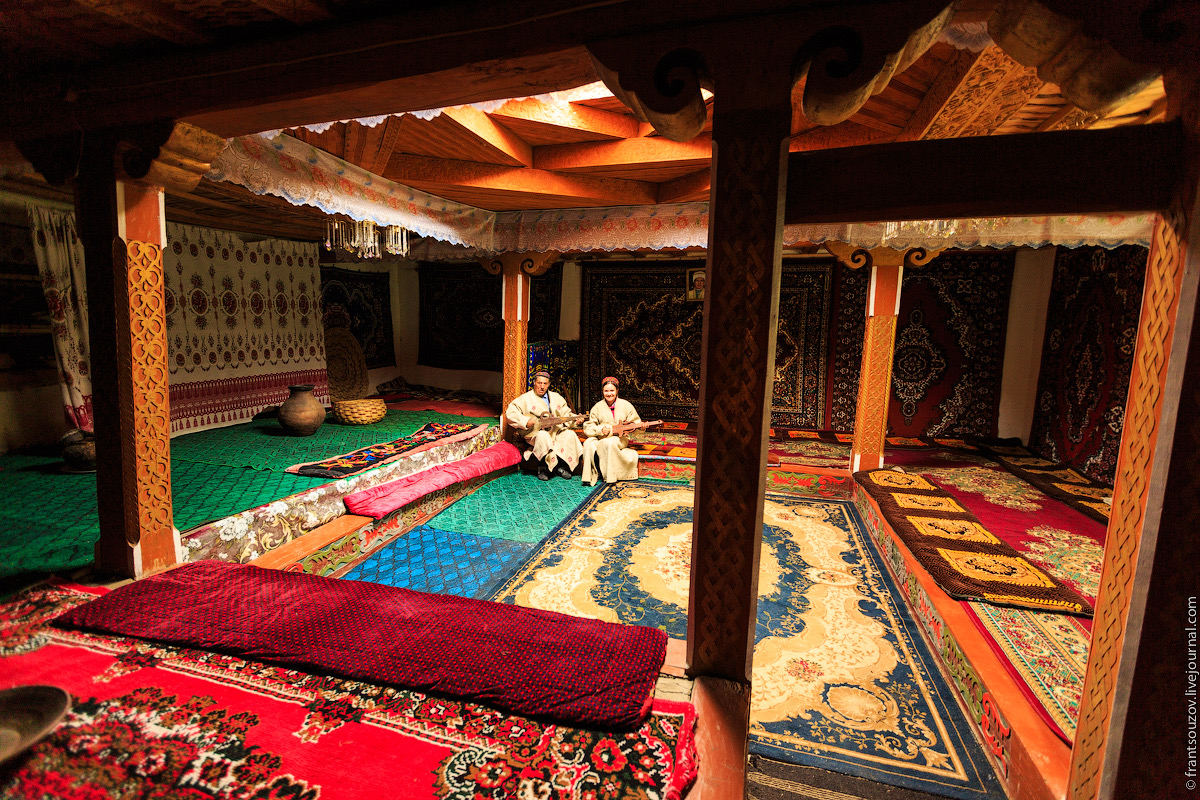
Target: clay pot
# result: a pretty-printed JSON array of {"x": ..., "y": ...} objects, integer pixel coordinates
[{"x": 301, "y": 414}]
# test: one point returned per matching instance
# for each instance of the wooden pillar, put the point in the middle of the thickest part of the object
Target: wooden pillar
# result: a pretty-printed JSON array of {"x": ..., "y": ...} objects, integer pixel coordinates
[
  {"x": 1137, "y": 717},
  {"x": 515, "y": 271},
  {"x": 122, "y": 227},
  {"x": 741, "y": 310},
  {"x": 879, "y": 343}
]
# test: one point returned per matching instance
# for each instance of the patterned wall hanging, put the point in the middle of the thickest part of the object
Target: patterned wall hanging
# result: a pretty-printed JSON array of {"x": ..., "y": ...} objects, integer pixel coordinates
[
  {"x": 561, "y": 359},
  {"x": 639, "y": 326},
  {"x": 361, "y": 302},
  {"x": 243, "y": 322},
  {"x": 1088, "y": 356},
  {"x": 949, "y": 346},
  {"x": 849, "y": 319},
  {"x": 461, "y": 322}
]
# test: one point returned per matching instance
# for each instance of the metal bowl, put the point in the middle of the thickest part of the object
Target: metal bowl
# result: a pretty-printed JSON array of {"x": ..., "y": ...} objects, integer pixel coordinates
[{"x": 28, "y": 713}]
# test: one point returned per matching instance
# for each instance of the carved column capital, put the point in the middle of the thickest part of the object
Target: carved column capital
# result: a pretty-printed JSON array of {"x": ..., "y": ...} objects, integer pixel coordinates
[
  {"x": 855, "y": 257},
  {"x": 842, "y": 55}
]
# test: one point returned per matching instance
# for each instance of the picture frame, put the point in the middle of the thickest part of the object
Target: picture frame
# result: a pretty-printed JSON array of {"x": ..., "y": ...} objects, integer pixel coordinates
[{"x": 696, "y": 280}]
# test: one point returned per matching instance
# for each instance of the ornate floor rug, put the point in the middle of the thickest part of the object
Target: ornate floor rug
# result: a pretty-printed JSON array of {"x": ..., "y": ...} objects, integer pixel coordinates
[
  {"x": 842, "y": 679},
  {"x": 428, "y": 435},
  {"x": 150, "y": 720}
]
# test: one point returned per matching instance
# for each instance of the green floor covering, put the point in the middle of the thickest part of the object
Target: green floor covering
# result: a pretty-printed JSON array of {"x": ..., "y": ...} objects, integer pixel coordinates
[
  {"x": 48, "y": 520},
  {"x": 262, "y": 444},
  {"x": 515, "y": 507}
]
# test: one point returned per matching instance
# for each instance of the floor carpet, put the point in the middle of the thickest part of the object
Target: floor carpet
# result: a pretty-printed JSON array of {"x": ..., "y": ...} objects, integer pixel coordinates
[
  {"x": 443, "y": 562},
  {"x": 842, "y": 680},
  {"x": 151, "y": 720},
  {"x": 263, "y": 444},
  {"x": 516, "y": 507},
  {"x": 48, "y": 521}
]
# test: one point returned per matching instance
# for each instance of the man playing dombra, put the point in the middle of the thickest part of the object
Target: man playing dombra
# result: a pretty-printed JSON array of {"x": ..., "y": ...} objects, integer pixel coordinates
[{"x": 555, "y": 448}]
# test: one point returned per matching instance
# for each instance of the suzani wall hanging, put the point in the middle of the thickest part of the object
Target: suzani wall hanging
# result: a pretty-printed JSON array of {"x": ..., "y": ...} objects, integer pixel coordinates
[{"x": 243, "y": 323}]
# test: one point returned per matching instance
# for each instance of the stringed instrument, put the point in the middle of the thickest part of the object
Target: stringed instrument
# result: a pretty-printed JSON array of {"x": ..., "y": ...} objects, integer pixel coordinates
[
  {"x": 624, "y": 427},
  {"x": 541, "y": 423}
]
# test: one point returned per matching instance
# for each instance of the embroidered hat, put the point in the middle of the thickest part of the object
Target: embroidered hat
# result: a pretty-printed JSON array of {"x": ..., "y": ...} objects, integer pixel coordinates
[
  {"x": 541, "y": 373},
  {"x": 611, "y": 380}
]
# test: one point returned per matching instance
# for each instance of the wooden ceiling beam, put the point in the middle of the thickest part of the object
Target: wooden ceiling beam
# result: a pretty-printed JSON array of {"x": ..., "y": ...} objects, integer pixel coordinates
[
  {"x": 153, "y": 18},
  {"x": 845, "y": 134},
  {"x": 945, "y": 86},
  {"x": 570, "y": 116},
  {"x": 275, "y": 229},
  {"x": 1029, "y": 174},
  {"x": 690, "y": 188},
  {"x": 301, "y": 12},
  {"x": 41, "y": 37},
  {"x": 506, "y": 146},
  {"x": 655, "y": 151},
  {"x": 387, "y": 143},
  {"x": 430, "y": 173}
]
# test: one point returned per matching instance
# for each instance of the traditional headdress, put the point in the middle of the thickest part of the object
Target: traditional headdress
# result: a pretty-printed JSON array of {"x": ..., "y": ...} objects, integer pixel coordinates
[
  {"x": 541, "y": 373},
  {"x": 611, "y": 380}
]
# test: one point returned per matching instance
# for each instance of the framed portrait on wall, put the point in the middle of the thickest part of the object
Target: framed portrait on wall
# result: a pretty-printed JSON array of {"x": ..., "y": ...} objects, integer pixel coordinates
[{"x": 695, "y": 284}]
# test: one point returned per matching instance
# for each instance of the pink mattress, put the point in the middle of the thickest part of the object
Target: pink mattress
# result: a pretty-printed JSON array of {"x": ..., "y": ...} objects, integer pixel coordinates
[{"x": 379, "y": 501}]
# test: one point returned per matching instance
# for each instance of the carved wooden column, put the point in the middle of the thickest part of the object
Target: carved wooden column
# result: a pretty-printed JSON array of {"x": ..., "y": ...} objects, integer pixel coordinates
[
  {"x": 515, "y": 271},
  {"x": 122, "y": 226},
  {"x": 1137, "y": 711},
  {"x": 879, "y": 343},
  {"x": 751, "y": 67}
]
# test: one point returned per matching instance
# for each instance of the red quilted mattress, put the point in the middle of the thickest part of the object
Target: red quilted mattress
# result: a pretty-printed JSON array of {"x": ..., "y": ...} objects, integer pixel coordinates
[{"x": 533, "y": 663}]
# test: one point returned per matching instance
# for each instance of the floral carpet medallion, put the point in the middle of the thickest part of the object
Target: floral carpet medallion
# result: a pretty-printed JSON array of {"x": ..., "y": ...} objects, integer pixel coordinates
[{"x": 841, "y": 680}]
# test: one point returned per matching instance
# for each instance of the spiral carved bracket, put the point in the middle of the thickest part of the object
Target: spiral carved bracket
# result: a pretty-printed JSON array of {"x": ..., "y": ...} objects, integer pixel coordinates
[
  {"x": 856, "y": 257},
  {"x": 843, "y": 58},
  {"x": 173, "y": 155}
]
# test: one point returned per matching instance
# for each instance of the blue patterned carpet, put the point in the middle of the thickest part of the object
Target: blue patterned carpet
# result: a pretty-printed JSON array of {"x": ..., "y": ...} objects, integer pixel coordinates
[
  {"x": 842, "y": 679},
  {"x": 442, "y": 562}
]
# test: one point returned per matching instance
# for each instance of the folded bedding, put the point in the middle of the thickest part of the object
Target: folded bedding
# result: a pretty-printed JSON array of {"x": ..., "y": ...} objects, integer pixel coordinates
[
  {"x": 534, "y": 663},
  {"x": 379, "y": 501}
]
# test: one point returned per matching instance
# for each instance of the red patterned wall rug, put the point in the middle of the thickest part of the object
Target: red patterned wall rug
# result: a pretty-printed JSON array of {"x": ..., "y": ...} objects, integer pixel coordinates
[
  {"x": 1088, "y": 356},
  {"x": 150, "y": 720},
  {"x": 949, "y": 346},
  {"x": 967, "y": 560}
]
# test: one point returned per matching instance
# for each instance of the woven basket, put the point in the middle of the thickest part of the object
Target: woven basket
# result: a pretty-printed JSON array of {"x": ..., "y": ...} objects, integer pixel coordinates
[{"x": 367, "y": 411}]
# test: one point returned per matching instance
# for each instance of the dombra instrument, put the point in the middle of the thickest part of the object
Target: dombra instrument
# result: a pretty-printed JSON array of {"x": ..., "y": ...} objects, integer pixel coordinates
[
  {"x": 624, "y": 427},
  {"x": 542, "y": 423}
]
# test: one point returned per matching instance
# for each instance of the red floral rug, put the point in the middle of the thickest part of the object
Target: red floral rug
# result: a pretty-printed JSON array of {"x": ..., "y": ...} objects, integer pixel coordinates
[{"x": 152, "y": 721}]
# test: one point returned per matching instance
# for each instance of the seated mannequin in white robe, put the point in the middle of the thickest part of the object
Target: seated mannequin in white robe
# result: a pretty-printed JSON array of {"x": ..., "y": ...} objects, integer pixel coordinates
[
  {"x": 616, "y": 461},
  {"x": 556, "y": 449}
]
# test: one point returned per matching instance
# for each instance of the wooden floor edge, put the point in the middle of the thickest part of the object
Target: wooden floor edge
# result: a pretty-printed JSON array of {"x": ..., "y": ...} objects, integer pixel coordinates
[
  {"x": 722, "y": 738},
  {"x": 1038, "y": 760},
  {"x": 309, "y": 543}
]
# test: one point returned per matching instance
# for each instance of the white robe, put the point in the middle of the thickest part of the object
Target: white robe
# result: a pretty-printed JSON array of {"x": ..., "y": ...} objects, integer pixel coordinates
[
  {"x": 617, "y": 461},
  {"x": 551, "y": 445}
]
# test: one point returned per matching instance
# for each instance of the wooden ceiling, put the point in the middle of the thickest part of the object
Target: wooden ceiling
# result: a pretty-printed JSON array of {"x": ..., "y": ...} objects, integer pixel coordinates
[{"x": 571, "y": 149}]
